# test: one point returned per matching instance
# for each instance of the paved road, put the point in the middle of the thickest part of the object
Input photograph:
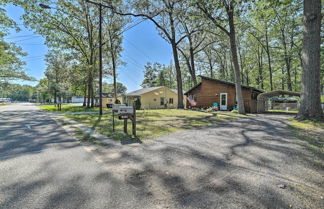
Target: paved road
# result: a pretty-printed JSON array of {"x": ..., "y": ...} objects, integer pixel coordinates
[
  {"x": 237, "y": 164},
  {"x": 41, "y": 166}
]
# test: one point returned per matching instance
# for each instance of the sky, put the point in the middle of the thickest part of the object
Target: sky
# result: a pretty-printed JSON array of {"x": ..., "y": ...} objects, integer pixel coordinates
[{"x": 141, "y": 44}]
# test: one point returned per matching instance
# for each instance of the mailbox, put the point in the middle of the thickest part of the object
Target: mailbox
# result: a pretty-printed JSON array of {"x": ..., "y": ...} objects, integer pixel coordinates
[
  {"x": 125, "y": 112},
  {"x": 116, "y": 107}
]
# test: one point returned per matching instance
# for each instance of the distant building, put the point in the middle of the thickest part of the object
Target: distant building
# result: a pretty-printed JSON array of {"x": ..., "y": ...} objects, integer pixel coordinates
[
  {"x": 108, "y": 99},
  {"x": 77, "y": 99},
  {"x": 154, "y": 98},
  {"x": 4, "y": 100}
]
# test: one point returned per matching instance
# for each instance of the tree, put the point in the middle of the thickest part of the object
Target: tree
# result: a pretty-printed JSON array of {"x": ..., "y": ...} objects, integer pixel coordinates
[
  {"x": 164, "y": 15},
  {"x": 310, "y": 106},
  {"x": 211, "y": 9},
  {"x": 11, "y": 64},
  {"x": 16, "y": 92},
  {"x": 72, "y": 27},
  {"x": 58, "y": 73},
  {"x": 151, "y": 74},
  {"x": 120, "y": 88}
]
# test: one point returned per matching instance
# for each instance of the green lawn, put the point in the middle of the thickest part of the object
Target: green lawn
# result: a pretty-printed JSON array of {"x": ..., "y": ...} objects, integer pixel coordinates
[
  {"x": 3, "y": 104},
  {"x": 69, "y": 108},
  {"x": 310, "y": 135},
  {"x": 284, "y": 111},
  {"x": 153, "y": 123}
]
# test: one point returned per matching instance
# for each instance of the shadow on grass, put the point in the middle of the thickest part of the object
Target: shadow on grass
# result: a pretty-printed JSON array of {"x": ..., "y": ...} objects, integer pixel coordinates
[{"x": 311, "y": 141}]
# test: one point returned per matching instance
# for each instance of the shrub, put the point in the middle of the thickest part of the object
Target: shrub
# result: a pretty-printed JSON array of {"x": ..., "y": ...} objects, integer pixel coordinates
[{"x": 137, "y": 104}]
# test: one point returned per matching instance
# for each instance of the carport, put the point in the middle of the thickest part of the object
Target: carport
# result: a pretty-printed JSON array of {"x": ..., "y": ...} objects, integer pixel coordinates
[{"x": 263, "y": 98}]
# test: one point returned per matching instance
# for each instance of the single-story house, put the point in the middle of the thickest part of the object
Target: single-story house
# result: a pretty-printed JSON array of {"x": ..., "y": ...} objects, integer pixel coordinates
[
  {"x": 107, "y": 98},
  {"x": 210, "y": 91},
  {"x": 154, "y": 97}
]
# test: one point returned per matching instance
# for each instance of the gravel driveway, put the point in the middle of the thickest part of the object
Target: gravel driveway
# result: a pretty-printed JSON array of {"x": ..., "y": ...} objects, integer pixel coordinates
[{"x": 253, "y": 162}]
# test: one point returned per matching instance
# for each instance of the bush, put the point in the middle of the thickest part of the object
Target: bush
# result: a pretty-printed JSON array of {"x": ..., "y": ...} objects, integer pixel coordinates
[
  {"x": 117, "y": 101},
  {"x": 137, "y": 104}
]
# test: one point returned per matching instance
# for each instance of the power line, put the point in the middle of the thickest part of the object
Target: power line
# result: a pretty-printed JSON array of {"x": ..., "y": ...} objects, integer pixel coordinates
[
  {"x": 25, "y": 39},
  {"x": 34, "y": 56},
  {"x": 22, "y": 36},
  {"x": 139, "y": 50},
  {"x": 132, "y": 26}
]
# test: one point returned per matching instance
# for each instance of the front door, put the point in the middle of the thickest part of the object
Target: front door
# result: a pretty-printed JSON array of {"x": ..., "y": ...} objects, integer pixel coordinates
[{"x": 223, "y": 101}]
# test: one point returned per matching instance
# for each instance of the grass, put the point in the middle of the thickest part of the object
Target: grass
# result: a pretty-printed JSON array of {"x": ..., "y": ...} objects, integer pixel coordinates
[
  {"x": 69, "y": 108},
  {"x": 284, "y": 111},
  {"x": 153, "y": 123},
  {"x": 310, "y": 135},
  {"x": 3, "y": 104}
]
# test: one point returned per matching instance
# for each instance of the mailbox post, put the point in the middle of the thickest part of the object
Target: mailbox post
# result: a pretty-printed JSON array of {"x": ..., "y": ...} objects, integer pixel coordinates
[{"x": 128, "y": 112}]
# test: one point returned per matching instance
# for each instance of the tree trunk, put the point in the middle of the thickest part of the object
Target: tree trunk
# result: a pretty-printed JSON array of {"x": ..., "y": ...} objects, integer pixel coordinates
[
  {"x": 176, "y": 62},
  {"x": 260, "y": 66},
  {"x": 242, "y": 64},
  {"x": 287, "y": 60},
  {"x": 92, "y": 95},
  {"x": 178, "y": 75},
  {"x": 269, "y": 59},
  {"x": 113, "y": 59},
  {"x": 89, "y": 89},
  {"x": 55, "y": 96},
  {"x": 85, "y": 96},
  {"x": 310, "y": 106},
  {"x": 190, "y": 70},
  {"x": 192, "y": 63},
  {"x": 210, "y": 67},
  {"x": 239, "y": 96}
]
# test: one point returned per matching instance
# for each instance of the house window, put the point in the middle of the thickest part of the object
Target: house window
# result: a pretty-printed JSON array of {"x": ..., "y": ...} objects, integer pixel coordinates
[
  {"x": 161, "y": 101},
  {"x": 170, "y": 100}
]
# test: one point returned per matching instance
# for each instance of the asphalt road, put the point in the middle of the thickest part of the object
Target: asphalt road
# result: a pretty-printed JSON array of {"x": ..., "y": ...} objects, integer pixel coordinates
[
  {"x": 252, "y": 162},
  {"x": 41, "y": 166}
]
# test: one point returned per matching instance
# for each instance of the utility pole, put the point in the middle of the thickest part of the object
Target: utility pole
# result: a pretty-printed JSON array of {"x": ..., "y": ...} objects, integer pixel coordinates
[
  {"x": 100, "y": 53},
  {"x": 100, "y": 59}
]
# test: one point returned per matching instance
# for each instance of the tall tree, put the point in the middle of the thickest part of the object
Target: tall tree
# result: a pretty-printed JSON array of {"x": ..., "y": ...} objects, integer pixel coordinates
[
  {"x": 11, "y": 63},
  {"x": 58, "y": 73},
  {"x": 72, "y": 26},
  {"x": 212, "y": 11},
  {"x": 310, "y": 106},
  {"x": 164, "y": 15}
]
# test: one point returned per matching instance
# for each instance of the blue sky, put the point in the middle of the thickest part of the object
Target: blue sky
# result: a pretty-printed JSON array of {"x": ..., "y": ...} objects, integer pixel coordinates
[{"x": 141, "y": 44}]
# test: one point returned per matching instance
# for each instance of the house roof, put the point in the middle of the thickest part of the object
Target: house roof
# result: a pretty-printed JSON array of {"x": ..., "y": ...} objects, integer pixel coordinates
[
  {"x": 196, "y": 86},
  {"x": 143, "y": 91},
  {"x": 105, "y": 95},
  {"x": 139, "y": 92},
  {"x": 221, "y": 81}
]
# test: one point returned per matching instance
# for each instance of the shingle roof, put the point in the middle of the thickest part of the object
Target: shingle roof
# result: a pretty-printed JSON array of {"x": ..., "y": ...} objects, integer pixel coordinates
[
  {"x": 221, "y": 81},
  {"x": 143, "y": 91}
]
